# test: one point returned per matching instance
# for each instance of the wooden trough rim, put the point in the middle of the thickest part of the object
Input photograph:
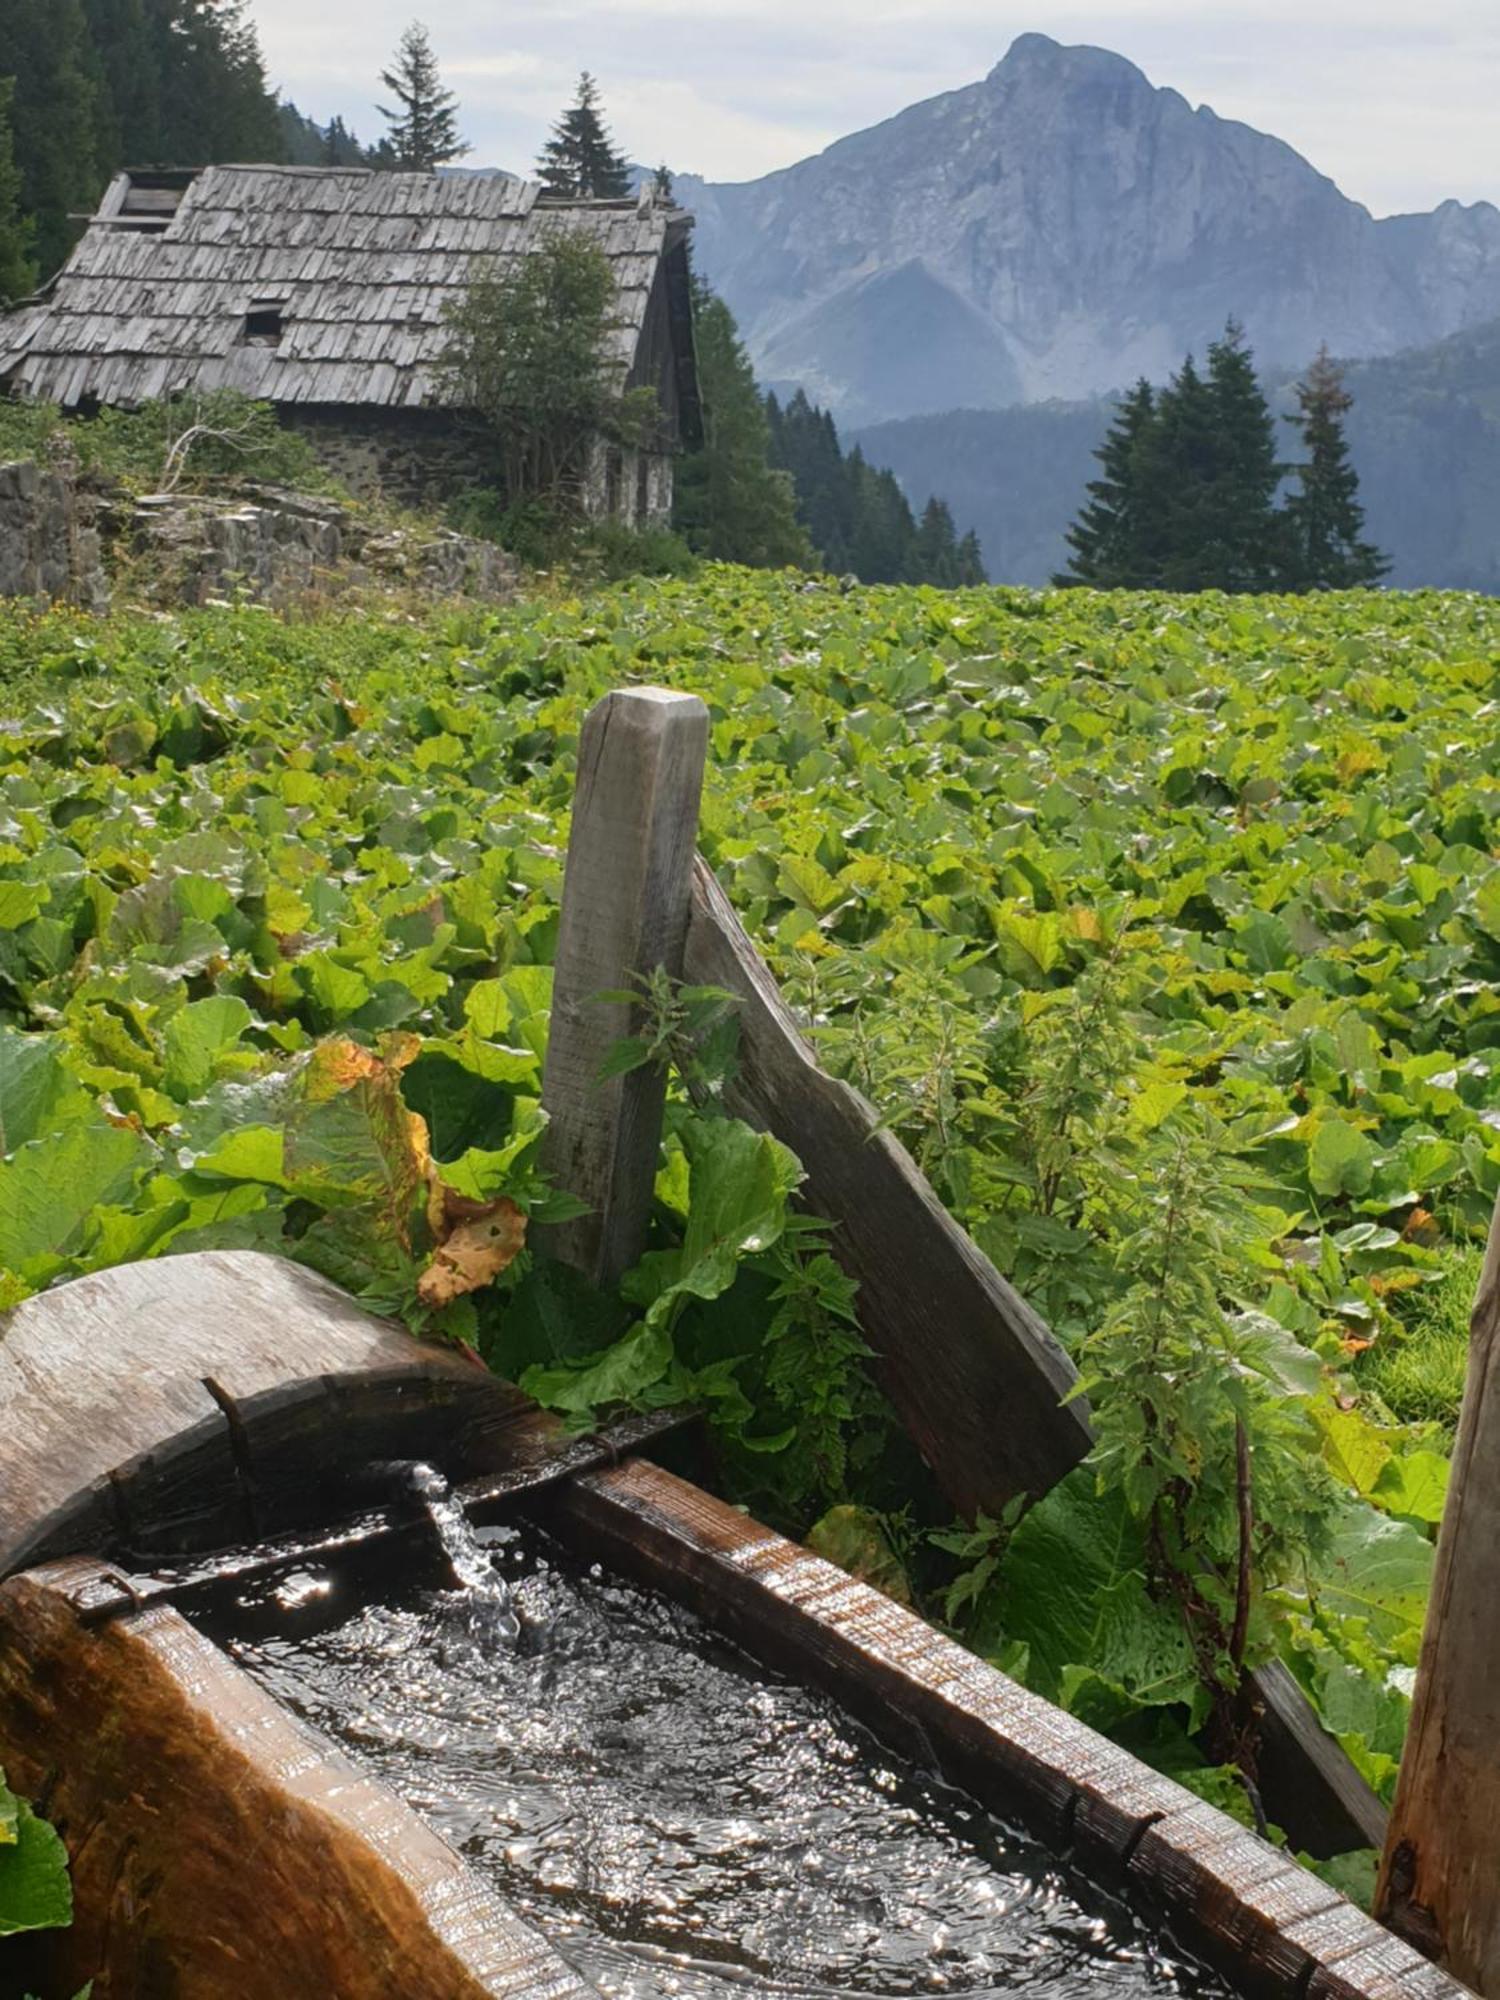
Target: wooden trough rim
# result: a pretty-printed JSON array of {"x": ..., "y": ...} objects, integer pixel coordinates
[
  {"x": 1269, "y": 1925},
  {"x": 1247, "y": 1907}
]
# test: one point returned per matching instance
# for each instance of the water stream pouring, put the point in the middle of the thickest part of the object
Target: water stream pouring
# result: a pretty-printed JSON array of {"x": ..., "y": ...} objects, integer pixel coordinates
[{"x": 485, "y": 1595}]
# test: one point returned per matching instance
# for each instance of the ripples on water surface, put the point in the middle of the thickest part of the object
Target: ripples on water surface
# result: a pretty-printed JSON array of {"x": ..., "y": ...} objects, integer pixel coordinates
[{"x": 676, "y": 1822}]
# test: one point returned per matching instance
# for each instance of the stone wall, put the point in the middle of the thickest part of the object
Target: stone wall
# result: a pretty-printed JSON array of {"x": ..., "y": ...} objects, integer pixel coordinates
[
  {"x": 279, "y": 547},
  {"x": 263, "y": 542},
  {"x": 412, "y": 458},
  {"x": 422, "y": 458},
  {"x": 50, "y": 547}
]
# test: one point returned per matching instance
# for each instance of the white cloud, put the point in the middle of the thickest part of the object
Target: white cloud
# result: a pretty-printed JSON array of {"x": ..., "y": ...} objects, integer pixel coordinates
[{"x": 1395, "y": 104}]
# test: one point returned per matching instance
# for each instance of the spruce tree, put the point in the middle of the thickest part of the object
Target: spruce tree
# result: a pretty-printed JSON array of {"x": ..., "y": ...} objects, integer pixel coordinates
[
  {"x": 17, "y": 272},
  {"x": 935, "y": 551},
  {"x": 971, "y": 569},
  {"x": 1177, "y": 464},
  {"x": 1325, "y": 522},
  {"x": 55, "y": 111},
  {"x": 424, "y": 130},
  {"x": 579, "y": 161},
  {"x": 1105, "y": 540},
  {"x": 731, "y": 503},
  {"x": 1243, "y": 538}
]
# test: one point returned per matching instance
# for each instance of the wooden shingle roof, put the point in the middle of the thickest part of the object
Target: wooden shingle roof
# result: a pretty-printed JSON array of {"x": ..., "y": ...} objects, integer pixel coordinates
[{"x": 354, "y": 267}]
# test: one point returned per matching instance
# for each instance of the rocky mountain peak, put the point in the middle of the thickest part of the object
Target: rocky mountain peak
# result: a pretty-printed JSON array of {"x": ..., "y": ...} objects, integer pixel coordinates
[{"x": 1058, "y": 229}]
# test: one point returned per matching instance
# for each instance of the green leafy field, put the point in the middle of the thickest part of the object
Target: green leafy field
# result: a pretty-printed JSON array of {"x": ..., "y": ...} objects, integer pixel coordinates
[{"x": 1167, "y": 934}]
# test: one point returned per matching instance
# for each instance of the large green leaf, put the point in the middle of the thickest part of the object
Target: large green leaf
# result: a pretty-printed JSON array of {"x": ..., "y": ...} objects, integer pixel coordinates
[
  {"x": 1073, "y": 1587},
  {"x": 1379, "y": 1571},
  {"x": 197, "y": 1037},
  {"x": 35, "y": 1893},
  {"x": 51, "y": 1187},
  {"x": 37, "y": 1092}
]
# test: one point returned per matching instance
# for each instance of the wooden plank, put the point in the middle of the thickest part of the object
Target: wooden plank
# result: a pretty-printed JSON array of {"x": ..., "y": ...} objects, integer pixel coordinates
[
  {"x": 1308, "y": 1783},
  {"x": 1440, "y": 1874},
  {"x": 192, "y": 1402},
  {"x": 1246, "y": 1905},
  {"x": 974, "y": 1374},
  {"x": 624, "y": 916},
  {"x": 217, "y": 1846}
]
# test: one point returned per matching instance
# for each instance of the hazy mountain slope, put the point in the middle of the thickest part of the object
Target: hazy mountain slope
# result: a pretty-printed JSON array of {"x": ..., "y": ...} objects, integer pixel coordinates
[
  {"x": 1424, "y": 434},
  {"x": 1057, "y": 230}
]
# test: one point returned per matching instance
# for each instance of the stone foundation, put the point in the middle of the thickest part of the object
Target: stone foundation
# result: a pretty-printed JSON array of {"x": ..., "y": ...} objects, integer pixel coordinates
[
  {"x": 267, "y": 543},
  {"x": 50, "y": 547},
  {"x": 280, "y": 547}
]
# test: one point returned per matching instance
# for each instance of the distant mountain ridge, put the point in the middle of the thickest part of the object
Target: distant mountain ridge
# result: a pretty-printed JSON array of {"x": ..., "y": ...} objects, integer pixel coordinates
[{"x": 1057, "y": 230}]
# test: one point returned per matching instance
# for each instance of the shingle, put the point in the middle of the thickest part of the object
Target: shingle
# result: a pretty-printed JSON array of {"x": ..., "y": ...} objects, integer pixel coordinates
[{"x": 362, "y": 263}]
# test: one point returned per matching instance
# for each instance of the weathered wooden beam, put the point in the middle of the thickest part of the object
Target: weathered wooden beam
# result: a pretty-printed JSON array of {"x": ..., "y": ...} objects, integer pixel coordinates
[
  {"x": 218, "y": 1847},
  {"x": 197, "y": 1402},
  {"x": 624, "y": 916},
  {"x": 1440, "y": 1875},
  {"x": 974, "y": 1374},
  {"x": 1275, "y": 1928},
  {"x": 1308, "y": 1782}
]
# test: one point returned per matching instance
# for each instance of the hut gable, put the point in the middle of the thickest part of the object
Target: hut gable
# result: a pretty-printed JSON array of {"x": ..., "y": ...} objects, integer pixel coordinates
[{"x": 312, "y": 287}]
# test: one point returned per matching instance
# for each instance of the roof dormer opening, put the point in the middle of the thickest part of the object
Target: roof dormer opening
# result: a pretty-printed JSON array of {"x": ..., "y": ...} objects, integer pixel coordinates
[{"x": 265, "y": 322}]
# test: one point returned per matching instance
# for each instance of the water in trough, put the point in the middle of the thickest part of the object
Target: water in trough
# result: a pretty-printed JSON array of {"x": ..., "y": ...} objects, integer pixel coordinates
[{"x": 680, "y": 1824}]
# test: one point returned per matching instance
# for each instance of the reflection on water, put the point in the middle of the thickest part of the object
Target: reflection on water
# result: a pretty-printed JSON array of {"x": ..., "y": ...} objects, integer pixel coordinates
[{"x": 675, "y": 1821}]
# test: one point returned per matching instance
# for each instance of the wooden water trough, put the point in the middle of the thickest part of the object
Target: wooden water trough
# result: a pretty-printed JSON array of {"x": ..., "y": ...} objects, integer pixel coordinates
[
  {"x": 219, "y": 1846},
  {"x": 153, "y": 1417}
]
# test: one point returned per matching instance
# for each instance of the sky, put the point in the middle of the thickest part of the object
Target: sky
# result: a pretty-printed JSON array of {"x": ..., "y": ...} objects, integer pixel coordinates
[{"x": 1395, "y": 99}]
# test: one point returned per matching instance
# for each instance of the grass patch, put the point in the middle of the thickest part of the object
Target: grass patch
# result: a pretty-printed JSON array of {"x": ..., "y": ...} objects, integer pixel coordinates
[{"x": 1417, "y": 1369}]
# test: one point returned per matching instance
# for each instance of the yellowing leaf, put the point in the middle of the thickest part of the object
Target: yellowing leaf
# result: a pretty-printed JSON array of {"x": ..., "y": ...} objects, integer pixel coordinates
[{"x": 475, "y": 1254}]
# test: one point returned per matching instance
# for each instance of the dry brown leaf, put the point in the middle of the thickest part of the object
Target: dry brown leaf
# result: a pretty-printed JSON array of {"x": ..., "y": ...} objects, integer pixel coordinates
[{"x": 476, "y": 1252}]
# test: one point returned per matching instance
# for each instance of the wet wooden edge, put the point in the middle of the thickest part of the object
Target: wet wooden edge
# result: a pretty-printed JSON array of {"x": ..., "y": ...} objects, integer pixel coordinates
[
  {"x": 305, "y": 1861},
  {"x": 1246, "y": 1906},
  {"x": 196, "y": 1402}
]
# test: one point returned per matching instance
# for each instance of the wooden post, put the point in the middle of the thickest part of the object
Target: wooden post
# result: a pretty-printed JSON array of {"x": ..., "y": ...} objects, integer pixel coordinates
[
  {"x": 624, "y": 915},
  {"x": 1440, "y": 1878}
]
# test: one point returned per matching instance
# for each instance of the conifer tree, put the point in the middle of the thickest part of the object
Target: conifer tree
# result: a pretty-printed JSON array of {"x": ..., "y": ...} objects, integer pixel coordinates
[
  {"x": 971, "y": 569},
  {"x": 424, "y": 130},
  {"x": 731, "y": 503},
  {"x": 580, "y": 161},
  {"x": 1105, "y": 540},
  {"x": 17, "y": 272},
  {"x": 1243, "y": 539},
  {"x": 935, "y": 552},
  {"x": 1326, "y": 545},
  {"x": 44, "y": 48}
]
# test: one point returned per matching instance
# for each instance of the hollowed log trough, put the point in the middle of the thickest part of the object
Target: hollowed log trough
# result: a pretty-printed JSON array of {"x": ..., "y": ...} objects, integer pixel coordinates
[{"x": 152, "y": 1415}]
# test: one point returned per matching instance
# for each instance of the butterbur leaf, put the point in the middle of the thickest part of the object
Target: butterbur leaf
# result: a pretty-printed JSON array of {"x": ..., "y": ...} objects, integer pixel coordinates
[
  {"x": 1379, "y": 1572},
  {"x": 620, "y": 1375},
  {"x": 50, "y": 1187},
  {"x": 196, "y": 1037},
  {"x": 1355, "y": 1451},
  {"x": 35, "y": 1894},
  {"x": 1414, "y": 1486},
  {"x": 36, "y": 1091},
  {"x": 1341, "y": 1160},
  {"x": 474, "y": 1254},
  {"x": 1073, "y": 1586}
]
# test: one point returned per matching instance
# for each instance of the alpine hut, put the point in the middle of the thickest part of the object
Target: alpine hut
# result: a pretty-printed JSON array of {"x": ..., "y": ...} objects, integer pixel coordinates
[{"x": 322, "y": 292}]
